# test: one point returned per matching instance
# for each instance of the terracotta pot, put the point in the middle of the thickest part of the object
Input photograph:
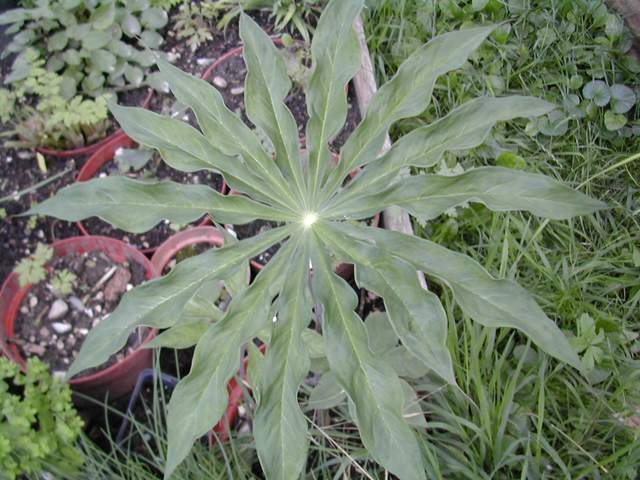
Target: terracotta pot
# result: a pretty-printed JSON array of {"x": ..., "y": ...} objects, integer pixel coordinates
[
  {"x": 90, "y": 149},
  {"x": 116, "y": 380},
  {"x": 191, "y": 236},
  {"x": 104, "y": 155},
  {"x": 160, "y": 259}
]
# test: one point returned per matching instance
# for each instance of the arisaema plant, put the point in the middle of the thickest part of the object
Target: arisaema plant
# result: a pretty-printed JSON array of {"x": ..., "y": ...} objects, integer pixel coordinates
[{"x": 316, "y": 201}]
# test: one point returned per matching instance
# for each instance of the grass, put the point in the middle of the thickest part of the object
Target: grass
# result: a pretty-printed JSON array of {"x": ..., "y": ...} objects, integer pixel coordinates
[{"x": 524, "y": 416}]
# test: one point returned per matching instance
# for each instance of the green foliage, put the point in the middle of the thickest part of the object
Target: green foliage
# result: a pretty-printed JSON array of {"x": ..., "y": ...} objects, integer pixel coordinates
[
  {"x": 33, "y": 269},
  {"x": 94, "y": 45},
  {"x": 39, "y": 427},
  {"x": 56, "y": 120},
  {"x": 63, "y": 282},
  {"x": 583, "y": 266},
  {"x": 194, "y": 22},
  {"x": 284, "y": 12},
  {"x": 166, "y": 4},
  {"x": 307, "y": 194},
  {"x": 7, "y": 105}
]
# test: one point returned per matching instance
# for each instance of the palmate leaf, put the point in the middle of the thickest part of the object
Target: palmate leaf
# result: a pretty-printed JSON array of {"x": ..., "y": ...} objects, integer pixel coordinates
[
  {"x": 500, "y": 189},
  {"x": 280, "y": 427},
  {"x": 407, "y": 94},
  {"x": 113, "y": 199},
  {"x": 363, "y": 360},
  {"x": 336, "y": 59},
  {"x": 200, "y": 398},
  {"x": 465, "y": 127},
  {"x": 370, "y": 383},
  {"x": 491, "y": 302},
  {"x": 159, "y": 303}
]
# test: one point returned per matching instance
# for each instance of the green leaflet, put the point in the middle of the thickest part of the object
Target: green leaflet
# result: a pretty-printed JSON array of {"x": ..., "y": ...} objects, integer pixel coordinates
[
  {"x": 491, "y": 302},
  {"x": 370, "y": 383},
  {"x": 280, "y": 427},
  {"x": 224, "y": 129},
  {"x": 407, "y": 94},
  {"x": 463, "y": 128},
  {"x": 113, "y": 199},
  {"x": 199, "y": 400},
  {"x": 266, "y": 86},
  {"x": 181, "y": 146},
  {"x": 500, "y": 189},
  {"x": 416, "y": 315},
  {"x": 159, "y": 303},
  {"x": 196, "y": 317},
  {"x": 336, "y": 59}
]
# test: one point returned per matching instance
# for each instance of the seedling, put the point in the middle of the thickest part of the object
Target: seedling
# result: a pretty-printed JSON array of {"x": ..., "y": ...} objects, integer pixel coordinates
[
  {"x": 63, "y": 282},
  {"x": 32, "y": 269},
  {"x": 316, "y": 200}
]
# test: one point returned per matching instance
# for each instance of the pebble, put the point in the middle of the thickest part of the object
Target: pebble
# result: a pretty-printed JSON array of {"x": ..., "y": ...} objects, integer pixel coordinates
[
  {"x": 99, "y": 296},
  {"x": 35, "y": 350},
  {"x": 220, "y": 82},
  {"x": 237, "y": 91},
  {"x": 58, "y": 375},
  {"x": 95, "y": 322},
  {"x": 60, "y": 345},
  {"x": 77, "y": 304},
  {"x": 99, "y": 308},
  {"x": 129, "y": 287},
  {"x": 24, "y": 310},
  {"x": 58, "y": 309},
  {"x": 71, "y": 342},
  {"x": 25, "y": 154},
  {"x": 83, "y": 331},
  {"x": 172, "y": 57},
  {"x": 44, "y": 333},
  {"x": 40, "y": 234},
  {"x": 61, "y": 327},
  {"x": 203, "y": 62}
]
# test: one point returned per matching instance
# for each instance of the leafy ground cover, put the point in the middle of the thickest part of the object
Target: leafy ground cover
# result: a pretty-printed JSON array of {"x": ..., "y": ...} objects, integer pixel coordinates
[{"x": 524, "y": 416}]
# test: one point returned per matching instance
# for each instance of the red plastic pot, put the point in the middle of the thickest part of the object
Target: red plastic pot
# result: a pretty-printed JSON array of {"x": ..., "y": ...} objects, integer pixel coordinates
[
  {"x": 105, "y": 155},
  {"x": 116, "y": 380},
  {"x": 160, "y": 259},
  {"x": 90, "y": 149}
]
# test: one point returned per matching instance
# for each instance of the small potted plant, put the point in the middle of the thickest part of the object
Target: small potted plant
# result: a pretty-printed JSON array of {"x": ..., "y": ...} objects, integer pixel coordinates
[
  {"x": 53, "y": 299},
  {"x": 39, "y": 424},
  {"x": 316, "y": 200}
]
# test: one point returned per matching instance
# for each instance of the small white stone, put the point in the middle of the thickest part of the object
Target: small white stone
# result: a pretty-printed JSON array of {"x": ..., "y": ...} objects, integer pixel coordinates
[
  {"x": 203, "y": 62},
  {"x": 76, "y": 303},
  {"x": 83, "y": 331},
  {"x": 172, "y": 57},
  {"x": 220, "y": 82},
  {"x": 237, "y": 91},
  {"x": 58, "y": 375},
  {"x": 102, "y": 175},
  {"x": 58, "y": 309},
  {"x": 61, "y": 327},
  {"x": 33, "y": 301},
  {"x": 24, "y": 310},
  {"x": 129, "y": 287}
]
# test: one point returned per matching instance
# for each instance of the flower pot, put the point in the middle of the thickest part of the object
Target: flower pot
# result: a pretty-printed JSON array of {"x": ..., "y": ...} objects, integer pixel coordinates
[
  {"x": 89, "y": 149},
  {"x": 191, "y": 236},
  {"x": 116, "y": 380},
  {"x": 168, "y": 381},
  {"x": 100, "y": 158}
]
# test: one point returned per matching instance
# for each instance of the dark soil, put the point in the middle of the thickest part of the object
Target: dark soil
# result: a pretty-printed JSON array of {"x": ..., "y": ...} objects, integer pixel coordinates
[
  {"x": 20, "y": 235},
  {"x": 232, "y": 73},
  {"x": 155, "y": 169},
  {"x": 254, "y": 228},
  {"x": 56, "y": 338}
]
